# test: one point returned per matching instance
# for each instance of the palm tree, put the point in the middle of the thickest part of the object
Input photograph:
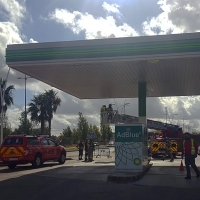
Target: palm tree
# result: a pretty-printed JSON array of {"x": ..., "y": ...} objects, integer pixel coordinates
[
  {"x": 37, "y": 109},
  {"x": 52, "y": 103},
  {"x": 8, "y": 96}
]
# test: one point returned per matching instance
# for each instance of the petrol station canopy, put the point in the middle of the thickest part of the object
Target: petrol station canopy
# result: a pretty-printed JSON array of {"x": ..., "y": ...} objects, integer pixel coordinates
[{"x": 113, "y": 67}]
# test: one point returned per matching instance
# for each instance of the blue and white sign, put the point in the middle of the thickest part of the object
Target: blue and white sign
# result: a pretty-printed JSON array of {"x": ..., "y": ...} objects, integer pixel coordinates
[{"x": 91, "y": 135}]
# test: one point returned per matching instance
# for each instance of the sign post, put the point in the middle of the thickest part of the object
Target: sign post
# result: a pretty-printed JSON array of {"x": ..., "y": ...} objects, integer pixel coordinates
[
  {"x": 91, "y": 135},
  {"x": 131, "y": 150}
]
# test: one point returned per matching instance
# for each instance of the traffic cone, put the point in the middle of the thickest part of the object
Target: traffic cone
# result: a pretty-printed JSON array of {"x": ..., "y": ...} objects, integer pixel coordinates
[{"x": 181, "y": 166}]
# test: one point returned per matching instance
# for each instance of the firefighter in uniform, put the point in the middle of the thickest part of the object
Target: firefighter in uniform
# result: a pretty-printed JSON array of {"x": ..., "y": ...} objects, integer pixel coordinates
[
  {"x": 190, "y": 151},
  {"x": 110, "y": 112},
  {"x": 103, "y": 109},
  {"x": 91, "y": 149},
  {"x": 80, "y": 147},
  {"x": 86, "y": 150},
  {"x": 168, "y": 151}
]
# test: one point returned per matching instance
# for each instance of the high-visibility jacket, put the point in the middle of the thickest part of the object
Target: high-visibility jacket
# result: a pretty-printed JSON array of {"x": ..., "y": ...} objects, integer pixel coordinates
[{"x": 192, "y": 147}]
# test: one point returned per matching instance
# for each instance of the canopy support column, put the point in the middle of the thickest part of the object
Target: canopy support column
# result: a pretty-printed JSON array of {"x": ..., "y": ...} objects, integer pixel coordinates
[{"x": 142, "y": 91}]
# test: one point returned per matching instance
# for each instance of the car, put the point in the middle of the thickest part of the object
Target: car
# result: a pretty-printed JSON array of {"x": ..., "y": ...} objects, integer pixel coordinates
[
  {"x": 96, "y": 144},
  {"x": 111, "y": 143},
  {"x": 23, "y": 149}
]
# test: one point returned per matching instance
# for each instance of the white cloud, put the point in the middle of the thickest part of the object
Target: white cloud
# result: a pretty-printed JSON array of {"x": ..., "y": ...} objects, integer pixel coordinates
[
  {"x": 14, "y": 10},
  {"x": 13, "y": 116},
  {"x": 63, "y": 119},
  {"x": 32, "y": 41},
  {"x": 9, "y": 34},
  {"x": 111, "y": 8},
  {"x": 177, "y": 17},
  {"x": 170, "y": 20},
  {"x": 93, "y": 27}
]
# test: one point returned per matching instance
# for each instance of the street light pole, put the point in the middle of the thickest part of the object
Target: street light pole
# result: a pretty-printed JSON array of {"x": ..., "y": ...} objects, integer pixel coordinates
[
  {"x": 126, "y": 104},
  {"x": 25, "y": 113},
  {"x": 173, "y": 117},
  {"x": 166, "y": 113}
]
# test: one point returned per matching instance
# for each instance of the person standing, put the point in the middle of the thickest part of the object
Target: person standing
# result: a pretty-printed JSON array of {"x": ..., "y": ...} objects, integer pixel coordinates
[
  {"x": 103, "y": 109},
  {"x": 168, "y": 151},
  {"x": 91, "y": 149},
  {"x": 86, "y": 150},
  {"x": 80, "y": 147},
  {"x": 190, "y": 151},
  {"x": 110, "y": 112}
]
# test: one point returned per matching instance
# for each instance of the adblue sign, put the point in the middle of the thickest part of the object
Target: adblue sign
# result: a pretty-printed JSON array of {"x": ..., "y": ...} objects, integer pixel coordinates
[{"x": 128, "y": 133}]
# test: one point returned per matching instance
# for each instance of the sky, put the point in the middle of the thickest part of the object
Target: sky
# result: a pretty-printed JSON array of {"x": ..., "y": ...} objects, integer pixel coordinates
[{"x": 28, "y": 21}]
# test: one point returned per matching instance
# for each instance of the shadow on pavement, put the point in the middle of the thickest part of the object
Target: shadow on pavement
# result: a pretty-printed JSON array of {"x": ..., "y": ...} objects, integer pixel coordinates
[
  {"x": 112, "y": 162},
  {"x": 167, "y": 158},
  {"x": 26, "y": 167},
  {"x": 85, "y": 182}
]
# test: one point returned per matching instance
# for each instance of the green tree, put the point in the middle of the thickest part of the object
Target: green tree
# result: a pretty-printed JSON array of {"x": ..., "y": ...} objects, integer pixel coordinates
[
  {"x": 6, "y": 127},
  {"x": 66, "y": 136},
  {"x": 67, "y": 132},
  {"x": 52, "y": 103},
  {"x": 8, "y": 96},
  {"x": 37, "y": 131},
  {"x": 54, "y": 137},
  {"x": 109, "y": 132},
  {"x": 29, "y": 125},
  {"x": 106, "y": 131},
  {"x": 95, "y": 130},
  {"x": 83, "y": 127},
  {"x": 16, "y": 132},
  {"x": 75, "y": 136},
  {"x": 38, "y": 111},
  {"x": 103, "y": 132},
  {"x": 90, "y": 128},
  {"x": 7, "y": 131}
]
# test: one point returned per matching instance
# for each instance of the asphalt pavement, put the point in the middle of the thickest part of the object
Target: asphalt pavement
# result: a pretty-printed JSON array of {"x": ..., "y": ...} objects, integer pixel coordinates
[{"x": 79, "y": 180}]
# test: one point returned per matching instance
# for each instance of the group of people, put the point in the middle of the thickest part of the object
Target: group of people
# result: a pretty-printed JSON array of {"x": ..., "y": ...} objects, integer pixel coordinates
[
  {"x": 109, "y": 111},
  {"x": 89, "y": 148},
  {"x": 189, "y": 152}
]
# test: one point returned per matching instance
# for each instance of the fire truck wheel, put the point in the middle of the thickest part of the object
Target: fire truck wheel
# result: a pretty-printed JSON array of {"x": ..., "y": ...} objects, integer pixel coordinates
[
  {"x": 37, "y": 161},
  {"x": 154, "y": 156},
  {"x": 11, "y": 166}
]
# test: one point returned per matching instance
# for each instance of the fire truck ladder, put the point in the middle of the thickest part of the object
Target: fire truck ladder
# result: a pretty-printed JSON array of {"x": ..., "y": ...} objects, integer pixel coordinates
[{"x": 115, "y": 118}]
